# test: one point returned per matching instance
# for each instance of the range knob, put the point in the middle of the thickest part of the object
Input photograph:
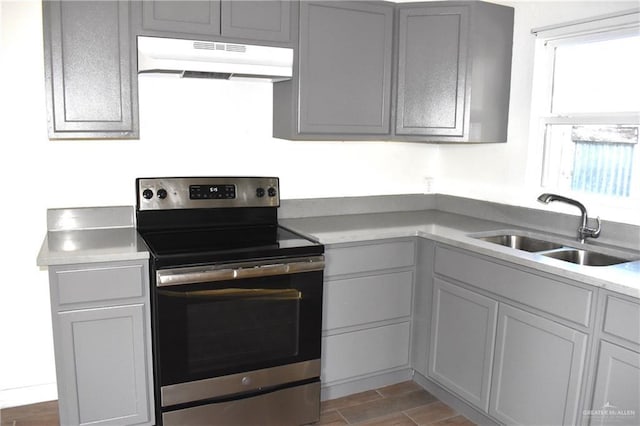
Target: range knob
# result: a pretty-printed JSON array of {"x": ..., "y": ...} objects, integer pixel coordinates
[
  {"x": 147, "y": 194},
  {"x": 271, "y": 191},
  {"x": 162, "y": 193},
  {"x": 260, "y": 192}
]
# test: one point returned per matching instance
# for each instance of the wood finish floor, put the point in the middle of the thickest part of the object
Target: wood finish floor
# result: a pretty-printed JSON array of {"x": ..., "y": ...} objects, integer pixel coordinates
[
  {"x": 41, "y": 414},
  {"x": 403, "y": 404}
]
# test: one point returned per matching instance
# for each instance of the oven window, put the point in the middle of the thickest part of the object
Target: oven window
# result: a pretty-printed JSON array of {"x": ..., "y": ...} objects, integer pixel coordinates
[
  {"x": 255, "y": 325},
  {"x": 214, "y": 329}
]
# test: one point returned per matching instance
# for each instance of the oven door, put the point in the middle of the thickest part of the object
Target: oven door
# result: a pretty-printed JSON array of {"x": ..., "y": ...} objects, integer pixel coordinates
[{"x": 215, "y": 323}]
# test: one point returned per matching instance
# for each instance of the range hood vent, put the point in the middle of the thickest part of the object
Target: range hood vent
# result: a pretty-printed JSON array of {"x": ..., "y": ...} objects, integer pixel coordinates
[{"x": 212, "y": 59}]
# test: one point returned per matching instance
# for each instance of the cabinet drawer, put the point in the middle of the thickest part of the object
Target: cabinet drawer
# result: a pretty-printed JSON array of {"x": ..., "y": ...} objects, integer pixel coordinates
[
  {"x": 557, "y": 298},
  {"x": 622, "y": 319},
  {"x": 98, "y": 283},
  {"x": 364, "y": 352},
  {"x": 353, "y": 260},
  {"x": 361, "y": 300}
]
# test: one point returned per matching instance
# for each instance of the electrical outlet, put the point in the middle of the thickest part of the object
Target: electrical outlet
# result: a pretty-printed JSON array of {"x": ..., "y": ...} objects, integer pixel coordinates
[{"x": 428, "y": 184}]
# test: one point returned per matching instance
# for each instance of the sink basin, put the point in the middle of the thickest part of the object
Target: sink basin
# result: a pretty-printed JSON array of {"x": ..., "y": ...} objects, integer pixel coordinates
[
  {"x": 521, "y": 243},
  {"x": 583, "y": 257}
]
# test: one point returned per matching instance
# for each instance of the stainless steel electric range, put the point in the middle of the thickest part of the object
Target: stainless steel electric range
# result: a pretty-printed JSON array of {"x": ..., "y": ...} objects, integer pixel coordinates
[{"x": 236, "y": 303}]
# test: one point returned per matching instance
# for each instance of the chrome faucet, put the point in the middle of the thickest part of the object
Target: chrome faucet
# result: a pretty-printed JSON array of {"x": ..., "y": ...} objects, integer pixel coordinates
[{"x": 583, "y": 230}]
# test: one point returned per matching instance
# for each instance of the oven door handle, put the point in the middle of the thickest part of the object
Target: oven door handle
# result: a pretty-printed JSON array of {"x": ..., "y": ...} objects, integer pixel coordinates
[
  {"x": 179, "y": 276},
  {"x": 237, "y": 293}
]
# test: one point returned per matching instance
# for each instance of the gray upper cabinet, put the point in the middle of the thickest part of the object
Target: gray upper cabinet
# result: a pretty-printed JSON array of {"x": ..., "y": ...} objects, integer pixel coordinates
[
  {"x": 342, "y": 88},
  {"x": 454, "y": 72},
  {"x": 447, "y": 75},
  {"x": 538, "y": 370},
  {"x": 191, "y": 17},
  {"x": 260, "y": 21},
  {"x": 432, "y": 71},
  {"x": 89, "y": 70}
]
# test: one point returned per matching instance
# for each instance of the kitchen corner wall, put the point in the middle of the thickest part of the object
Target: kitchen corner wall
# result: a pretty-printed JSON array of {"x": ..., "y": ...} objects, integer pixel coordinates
[
  {"x": 509, "y": 173},
  {"x": 203, "y": 127}
]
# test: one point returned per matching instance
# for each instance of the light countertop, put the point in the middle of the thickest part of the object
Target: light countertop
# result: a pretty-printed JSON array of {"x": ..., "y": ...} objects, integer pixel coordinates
[
  {"x": 120, "y": 241},
  {"x": 458, "y": 231},
  {"x": 91, "y": 245},
  {"x": 91, "y": 234}
]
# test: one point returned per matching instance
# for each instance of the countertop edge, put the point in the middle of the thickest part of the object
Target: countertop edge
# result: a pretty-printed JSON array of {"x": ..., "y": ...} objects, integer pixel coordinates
[
  {"x": 135, "y": 249},
  {"x": 459, "y": 238}
]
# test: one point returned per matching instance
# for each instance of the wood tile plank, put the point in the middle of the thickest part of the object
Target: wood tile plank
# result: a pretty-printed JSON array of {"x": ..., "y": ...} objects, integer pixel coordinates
[
  {"x": 349, "y": 400},
  {"x": 455, "y": 421},
  {"x": 431, "y": 413},
  {"x": 39, "y": 414},
  {"x": 397, "y": 419},
  {"x": 331, "y": 418},
  {"x": 385, "y": 406}
]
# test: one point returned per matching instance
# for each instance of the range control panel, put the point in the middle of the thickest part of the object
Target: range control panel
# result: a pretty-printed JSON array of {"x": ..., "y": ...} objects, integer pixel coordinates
[
  {"x": 207, "y": 192},
  {"x": 212, "y": 192}
]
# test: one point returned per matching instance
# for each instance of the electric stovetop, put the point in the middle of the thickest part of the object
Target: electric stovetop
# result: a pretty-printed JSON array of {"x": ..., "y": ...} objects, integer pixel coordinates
[{"x": 215, "y": 245}]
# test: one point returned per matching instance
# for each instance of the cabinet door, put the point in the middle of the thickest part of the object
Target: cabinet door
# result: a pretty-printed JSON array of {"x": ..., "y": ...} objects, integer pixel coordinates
[
  {"x": 88, "y": 70},
  {"x": 616, "y": 399},
  {"x": 191, "y": 17},
  {"x": 432, "y": 71},
  {"x": 102, "y": 369},
  {"x": 462, "y": 339},
  {"x": 345, "y": 67},
  {"x": 258, "y": 20},
  {"x": 538, "y": 370}
]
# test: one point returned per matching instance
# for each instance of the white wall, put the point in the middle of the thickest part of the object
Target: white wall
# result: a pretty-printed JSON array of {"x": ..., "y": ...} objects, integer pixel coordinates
[
  {"x": 509, "y": 172},
  {"x": 201, "y": 128}
]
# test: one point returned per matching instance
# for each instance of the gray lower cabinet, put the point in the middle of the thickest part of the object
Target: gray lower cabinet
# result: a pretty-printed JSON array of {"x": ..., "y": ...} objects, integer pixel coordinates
[
  {"x": 102, "y": 342},
  {"x": 254, "y": 20},
  {"x": 454, "y": 69},
  {"x": 510, "y": 341},
  {"x": 367, "y": 306},
  {"x": 616, "y": 392},
  {"x": 422, "y": 305},
  {"x": 462, "y": 339},
  {"x": 616, "y": 398},
  {"x": 342, "y": 84},
  {"x": 538, "y": 370},
  {"x": 90, "y": 73}
]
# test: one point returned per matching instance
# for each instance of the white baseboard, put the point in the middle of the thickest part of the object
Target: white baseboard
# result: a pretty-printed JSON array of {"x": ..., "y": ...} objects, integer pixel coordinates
[
  {"x": 454, "y": 402},
  {"x": 28, "y": 395},
  {"x": 362, "y": 384}
]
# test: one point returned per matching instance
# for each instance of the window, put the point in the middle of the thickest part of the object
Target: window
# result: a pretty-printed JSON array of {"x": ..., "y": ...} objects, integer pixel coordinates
[{"x": 590, "y": 111}]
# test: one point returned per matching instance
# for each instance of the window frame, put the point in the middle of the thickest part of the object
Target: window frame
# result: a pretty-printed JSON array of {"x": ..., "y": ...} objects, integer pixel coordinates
[{"x": 606, "y": 27}]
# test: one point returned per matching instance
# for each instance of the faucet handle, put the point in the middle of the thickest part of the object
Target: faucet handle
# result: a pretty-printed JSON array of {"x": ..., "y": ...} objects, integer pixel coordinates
[{"x": 592, "y": 232}]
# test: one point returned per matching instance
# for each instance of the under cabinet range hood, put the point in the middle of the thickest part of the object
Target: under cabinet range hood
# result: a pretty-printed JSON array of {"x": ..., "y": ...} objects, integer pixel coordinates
[{"x": 212, "y": 59}]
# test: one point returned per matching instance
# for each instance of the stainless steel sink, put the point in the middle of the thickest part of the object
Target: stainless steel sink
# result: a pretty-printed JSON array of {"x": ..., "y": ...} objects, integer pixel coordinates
[
  {"x": 521, "y": 243},
  {"x": 584, "y": 257}
]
